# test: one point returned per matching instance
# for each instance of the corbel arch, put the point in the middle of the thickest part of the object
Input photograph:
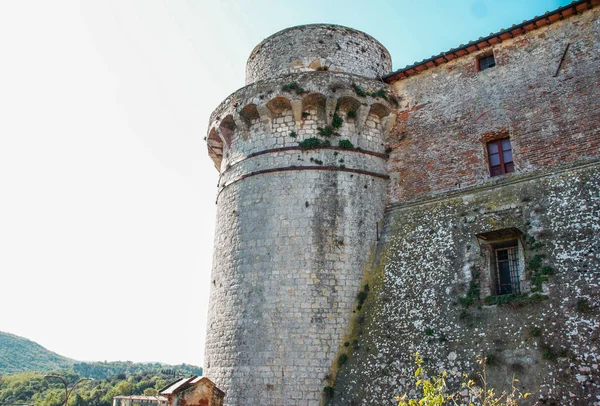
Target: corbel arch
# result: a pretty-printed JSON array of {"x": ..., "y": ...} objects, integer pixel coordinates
[
  {"x": 248, "y": 114},
  {"x": 279, "y": 105},
  {"x": 348, "y": 103},
  {"x": 227, "y": 129},
  {"x": 215, "y": 148},
  {"x": 315, "y": 101},
  {"x": 380, "y": 110}
]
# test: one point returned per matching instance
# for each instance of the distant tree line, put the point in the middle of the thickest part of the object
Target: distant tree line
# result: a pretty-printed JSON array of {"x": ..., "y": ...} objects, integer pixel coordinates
[
  {"x": 110, "y": 379},
  {"x": 103, "y": 370}
]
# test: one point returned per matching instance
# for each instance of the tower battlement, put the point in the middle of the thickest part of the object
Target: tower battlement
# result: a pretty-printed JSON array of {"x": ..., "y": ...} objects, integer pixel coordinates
[{"x": 283, "y": 112}]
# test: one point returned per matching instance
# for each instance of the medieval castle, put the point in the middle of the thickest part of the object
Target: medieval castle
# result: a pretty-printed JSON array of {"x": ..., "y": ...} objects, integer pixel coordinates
[{"x": 451, "y": 207}]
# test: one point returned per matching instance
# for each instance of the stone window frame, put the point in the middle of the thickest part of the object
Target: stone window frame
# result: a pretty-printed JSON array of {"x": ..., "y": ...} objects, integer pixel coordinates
[{"x": 489, "y": 243}]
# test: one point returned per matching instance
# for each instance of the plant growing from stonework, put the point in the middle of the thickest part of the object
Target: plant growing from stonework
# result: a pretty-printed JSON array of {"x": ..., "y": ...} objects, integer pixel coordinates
[
  {"x": 293, "y": 87},
  {"x": 433, "y": 390},
  {"x": 363, "y": 93},
  {"x": 326, "y": 131},
  {"x": 359, "y": 90},
  {"x": 313, "y": 143},
  {"x": 337, "y": 121},
  {"x": 346, "y": 144}
]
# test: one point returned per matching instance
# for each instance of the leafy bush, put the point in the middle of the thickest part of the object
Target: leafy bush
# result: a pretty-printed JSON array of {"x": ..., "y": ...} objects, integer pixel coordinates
[{"x": 433, "y": 391}]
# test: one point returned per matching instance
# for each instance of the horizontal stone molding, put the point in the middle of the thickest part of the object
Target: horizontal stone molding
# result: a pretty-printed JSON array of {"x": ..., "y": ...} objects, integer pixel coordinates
[
  {"x": 295, "y": 156},
  {"x": 302, "y": 168},
  {"x": 511, "y": 179},
  {"x": 361, "y": 151}
]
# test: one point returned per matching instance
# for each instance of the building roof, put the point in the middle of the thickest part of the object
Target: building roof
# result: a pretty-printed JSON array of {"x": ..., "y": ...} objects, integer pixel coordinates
[
  {"x": 142, "y": 397},
  {"x": 178, "y": 385},
  {"x": 548, "y": 18},
  {"x": 207, "y": 382},
  {"x": 184, "y": 383}
]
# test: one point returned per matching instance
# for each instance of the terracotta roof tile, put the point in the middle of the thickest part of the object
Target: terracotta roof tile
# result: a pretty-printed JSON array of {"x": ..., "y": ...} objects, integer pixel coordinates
[{"x": 517, "y": 29}]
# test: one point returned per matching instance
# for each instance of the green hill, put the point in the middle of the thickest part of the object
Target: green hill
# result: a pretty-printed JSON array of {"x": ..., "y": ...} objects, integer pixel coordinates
[{"x": 18, "y": 354}]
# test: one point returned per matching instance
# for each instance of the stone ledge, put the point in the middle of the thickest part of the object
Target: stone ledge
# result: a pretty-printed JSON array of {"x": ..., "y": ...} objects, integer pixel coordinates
[{"x": 513, "y": 179}]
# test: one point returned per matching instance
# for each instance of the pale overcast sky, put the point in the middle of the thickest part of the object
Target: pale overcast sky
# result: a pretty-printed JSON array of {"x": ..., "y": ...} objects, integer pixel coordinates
[{"x": 106, "y": 190}]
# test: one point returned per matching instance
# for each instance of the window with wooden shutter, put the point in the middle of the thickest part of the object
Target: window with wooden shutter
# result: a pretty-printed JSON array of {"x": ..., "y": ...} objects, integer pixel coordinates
[{"x": 500, "y": 157}]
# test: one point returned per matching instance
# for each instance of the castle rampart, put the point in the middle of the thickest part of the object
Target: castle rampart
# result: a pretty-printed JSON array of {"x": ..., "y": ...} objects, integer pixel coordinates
[
  {"x": 435, "y": 282},
  {"x": 332, "y": 179}
]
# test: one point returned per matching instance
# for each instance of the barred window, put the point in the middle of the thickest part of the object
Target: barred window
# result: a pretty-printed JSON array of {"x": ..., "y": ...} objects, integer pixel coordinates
[
  {"x": 507, "y": 268},
  {"x": 486, "y": 62},
  {"x": 505, "y": 262}
]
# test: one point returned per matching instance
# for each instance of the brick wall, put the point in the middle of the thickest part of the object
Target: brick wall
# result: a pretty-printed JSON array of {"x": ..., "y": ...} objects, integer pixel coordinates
[{"x": 449, "y": 112}]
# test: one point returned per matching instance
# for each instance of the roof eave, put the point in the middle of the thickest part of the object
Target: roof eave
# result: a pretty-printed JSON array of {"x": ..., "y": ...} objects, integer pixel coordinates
[{"x": 492, "y": 39}]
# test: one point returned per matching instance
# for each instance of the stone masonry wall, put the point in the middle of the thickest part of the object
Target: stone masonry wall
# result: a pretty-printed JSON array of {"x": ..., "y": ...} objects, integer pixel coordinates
[
  {"x": 266, "y": 115},
  {"x": 315, "y": 47},
  {"x": 431, "y": 262},
  {"x": 295, "y": 229},
  {"x": 449, "y": 112},
  {"x": 288, "y": 261}
]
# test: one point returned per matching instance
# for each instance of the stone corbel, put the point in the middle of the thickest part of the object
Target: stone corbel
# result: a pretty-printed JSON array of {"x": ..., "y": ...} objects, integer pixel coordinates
[
  {"x": 361, "y": 117},
  {"x": 241, "y": 125},
  {"x": 265, "y": 118},
  {"x": 330, "y": 105},
  {"x": 226, "y": 140},
  {"x": 297, "y": 110}
]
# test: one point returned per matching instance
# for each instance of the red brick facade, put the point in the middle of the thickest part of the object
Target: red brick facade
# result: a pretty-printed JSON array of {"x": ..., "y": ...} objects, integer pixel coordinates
[{"x": 449, "y": 112}]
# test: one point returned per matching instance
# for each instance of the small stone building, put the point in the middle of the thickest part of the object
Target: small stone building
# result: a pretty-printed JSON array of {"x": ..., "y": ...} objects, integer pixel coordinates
[{"x": 193, "y": 391}]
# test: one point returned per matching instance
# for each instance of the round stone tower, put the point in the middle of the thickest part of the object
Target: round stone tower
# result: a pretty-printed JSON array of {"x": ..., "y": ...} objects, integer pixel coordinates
[{"x": 301, "y": 156}]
